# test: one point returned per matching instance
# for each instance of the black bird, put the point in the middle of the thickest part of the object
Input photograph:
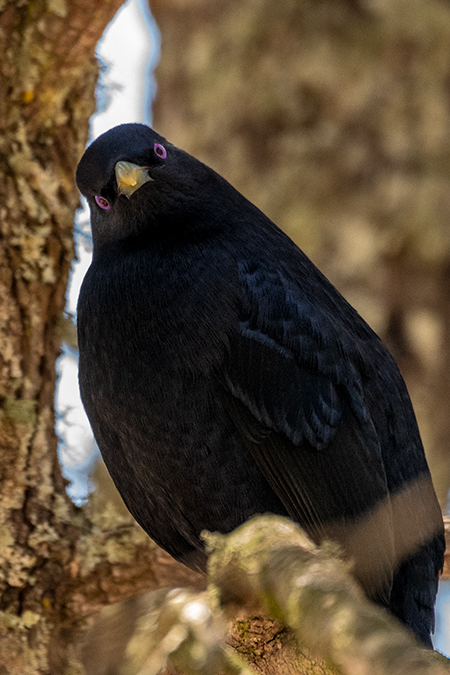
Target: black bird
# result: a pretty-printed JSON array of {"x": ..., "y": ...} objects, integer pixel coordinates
[{"x": 224, "y": 376}]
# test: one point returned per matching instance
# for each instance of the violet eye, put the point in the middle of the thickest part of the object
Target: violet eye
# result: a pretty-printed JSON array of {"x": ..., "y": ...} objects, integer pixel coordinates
[
  {"x": 102, "y": 202},
  {"x": 160, "y": 150}
]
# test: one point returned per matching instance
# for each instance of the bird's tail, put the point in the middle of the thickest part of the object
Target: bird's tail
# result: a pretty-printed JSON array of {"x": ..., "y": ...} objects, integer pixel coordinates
[{"x": 414, "y": 588}]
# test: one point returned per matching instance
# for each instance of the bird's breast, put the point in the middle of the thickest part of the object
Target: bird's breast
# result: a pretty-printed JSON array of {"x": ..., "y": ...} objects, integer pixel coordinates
[{"x": 151, "y": 331}]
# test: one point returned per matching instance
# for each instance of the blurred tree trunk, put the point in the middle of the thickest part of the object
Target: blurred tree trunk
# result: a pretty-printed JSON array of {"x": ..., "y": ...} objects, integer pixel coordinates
[{"x": 334, "y": 118}]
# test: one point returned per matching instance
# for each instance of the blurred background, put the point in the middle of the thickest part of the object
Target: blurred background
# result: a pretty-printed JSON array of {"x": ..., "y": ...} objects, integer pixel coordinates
[{"x": 334, "y": 118}]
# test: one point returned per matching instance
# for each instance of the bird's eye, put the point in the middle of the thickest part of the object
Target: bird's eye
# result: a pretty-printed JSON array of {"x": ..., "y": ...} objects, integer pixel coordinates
[
  {"x": 102, "y": 202},
  {"x": 160, "y": 150}
]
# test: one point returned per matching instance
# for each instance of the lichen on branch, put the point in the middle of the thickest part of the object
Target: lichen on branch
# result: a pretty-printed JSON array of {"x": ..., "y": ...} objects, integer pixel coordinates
[{"x": 269, "y": 566}]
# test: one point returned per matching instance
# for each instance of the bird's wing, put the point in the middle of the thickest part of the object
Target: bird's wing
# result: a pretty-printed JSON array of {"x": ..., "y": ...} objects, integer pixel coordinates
[
  {"x": 293, "y": 364},
  {"x": 293, "y": 383}
]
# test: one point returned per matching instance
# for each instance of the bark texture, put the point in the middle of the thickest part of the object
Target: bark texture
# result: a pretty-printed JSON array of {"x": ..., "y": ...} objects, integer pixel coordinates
[
  {"x": 47, "y": 80},
  {"x": 56, "y": 564}
]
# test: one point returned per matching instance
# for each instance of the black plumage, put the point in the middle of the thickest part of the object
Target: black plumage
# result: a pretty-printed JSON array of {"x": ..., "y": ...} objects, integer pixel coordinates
[{"x": 224, "y": 376}]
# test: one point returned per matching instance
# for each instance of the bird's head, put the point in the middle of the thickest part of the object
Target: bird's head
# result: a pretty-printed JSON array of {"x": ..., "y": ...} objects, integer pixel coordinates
[{"x": 137, "y": 183}]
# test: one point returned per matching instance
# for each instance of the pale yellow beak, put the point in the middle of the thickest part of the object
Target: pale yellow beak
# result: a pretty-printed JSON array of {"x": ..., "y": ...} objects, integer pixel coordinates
[{"x": 130, "y": 177}]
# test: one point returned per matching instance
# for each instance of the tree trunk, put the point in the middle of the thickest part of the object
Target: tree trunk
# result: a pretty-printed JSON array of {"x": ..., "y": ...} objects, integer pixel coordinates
[
  {"x": 53, "y": 569},
  {"x": 47, "y": 82}
]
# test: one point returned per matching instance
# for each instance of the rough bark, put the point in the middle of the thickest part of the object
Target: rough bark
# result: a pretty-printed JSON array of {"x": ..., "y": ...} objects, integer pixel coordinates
[
  {"x": 47, "y": 81},
  {"x": 56, "y": 565}
]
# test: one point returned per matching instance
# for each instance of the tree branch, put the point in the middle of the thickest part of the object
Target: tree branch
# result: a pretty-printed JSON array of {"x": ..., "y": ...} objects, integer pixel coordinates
[
  {"x": 268, "y": 567},
  {"x": 271, "y": 562}
]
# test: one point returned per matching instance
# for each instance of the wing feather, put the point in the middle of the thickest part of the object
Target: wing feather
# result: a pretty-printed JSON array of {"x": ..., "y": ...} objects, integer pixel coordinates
[{"x": 293, "y": 387}]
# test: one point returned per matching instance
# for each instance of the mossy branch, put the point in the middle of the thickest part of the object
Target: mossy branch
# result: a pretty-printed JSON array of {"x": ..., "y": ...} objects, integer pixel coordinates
[
  {"x": 181, "y": 630},
  {"x": 270, "y": 566},
  {"x": 271, "y": 562}
]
